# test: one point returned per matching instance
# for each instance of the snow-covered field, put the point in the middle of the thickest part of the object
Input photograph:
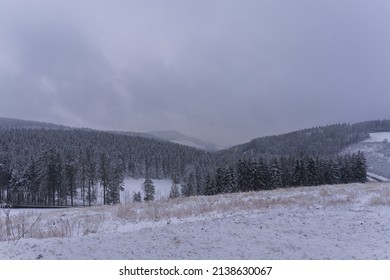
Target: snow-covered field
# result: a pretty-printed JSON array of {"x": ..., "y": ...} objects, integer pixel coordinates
[{"x": 326, "y": 222}]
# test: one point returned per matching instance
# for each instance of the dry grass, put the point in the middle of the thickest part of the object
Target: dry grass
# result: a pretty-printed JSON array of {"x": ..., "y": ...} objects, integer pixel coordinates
[
  {"x": 381, "y": 198},
  {"x": 304, "y": 197},
  {"x": 50, "y": 224},
  {"x": 79, "y": 222}
]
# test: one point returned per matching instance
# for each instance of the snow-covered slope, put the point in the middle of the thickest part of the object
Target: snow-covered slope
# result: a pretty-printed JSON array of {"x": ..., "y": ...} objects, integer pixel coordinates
[
  {"x": 325, "y": 222},
  {"x": 376, "y": 149},
  {"x": 378, "y": 137},
  {"x": 179, "y": 138}
]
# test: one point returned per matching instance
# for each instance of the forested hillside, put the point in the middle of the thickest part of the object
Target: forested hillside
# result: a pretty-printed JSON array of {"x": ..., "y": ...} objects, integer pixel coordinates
[
  {"x": 48, "y": 166},
  {"x": 44, "y": 164},
  {"x": 321, "y": 141}
]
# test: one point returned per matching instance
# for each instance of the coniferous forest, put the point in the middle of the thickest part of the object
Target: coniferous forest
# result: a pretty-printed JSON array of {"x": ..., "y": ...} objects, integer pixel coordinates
[{"x": 50, "y": 165}]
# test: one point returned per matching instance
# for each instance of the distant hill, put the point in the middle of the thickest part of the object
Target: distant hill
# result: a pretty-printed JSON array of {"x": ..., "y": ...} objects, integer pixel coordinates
[
  {"x": 25, "y": 142},
  {"x": 179, "y": 138},
  {"x": 170, "y": 136},
  {"x": 322, "y": 140},
  {"x": 11, "y": 123}
]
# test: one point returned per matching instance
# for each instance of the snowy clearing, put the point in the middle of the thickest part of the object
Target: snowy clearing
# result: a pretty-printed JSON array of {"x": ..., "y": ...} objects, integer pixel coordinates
[
  {"x": 325, "y": 222},
  {"x": 131, "y": 186},
  {"x": 378, "y": 137}
]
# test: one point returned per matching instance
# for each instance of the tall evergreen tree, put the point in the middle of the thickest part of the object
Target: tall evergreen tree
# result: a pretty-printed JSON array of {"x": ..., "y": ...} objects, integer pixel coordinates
[
  {"x": 70, "y": 176},
  {"x": 175, "y": 191},
  {"x": 104, "y": 176},
  {"x": 188, "y": 189},
  {"x": 209, "y": 185},
  {"x": 90, "y": 175},
  {"x": 149, "y": 190},
  {"x": 276, "y": 175}
]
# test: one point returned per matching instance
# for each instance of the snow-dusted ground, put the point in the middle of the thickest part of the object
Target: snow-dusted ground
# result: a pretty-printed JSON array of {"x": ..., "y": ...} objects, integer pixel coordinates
[{"x": 327, "y": 222}]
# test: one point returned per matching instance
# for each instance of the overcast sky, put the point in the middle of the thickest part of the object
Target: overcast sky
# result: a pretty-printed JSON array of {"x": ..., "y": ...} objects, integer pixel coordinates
[{"x": 222, "y": 71}]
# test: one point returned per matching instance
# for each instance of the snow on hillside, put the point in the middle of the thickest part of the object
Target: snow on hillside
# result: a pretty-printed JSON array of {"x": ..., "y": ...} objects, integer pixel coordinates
[
  {"x": 376, "y": 151},
  {"x": 376, "y": 177},
  {"x": 325, "y": 222},
  {"x": 378, "y": 137}
]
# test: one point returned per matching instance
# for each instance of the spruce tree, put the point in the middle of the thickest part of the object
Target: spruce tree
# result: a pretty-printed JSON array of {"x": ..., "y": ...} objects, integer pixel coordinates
[
  {"x": 174, "y": 192},
  {"x": 276, "y": 175},
  {"x": 104, "y": 177},
  {"x": 359, "y": 167},
  {"x": 209, "y": 187},
  {"x": 70, "y": 174},
  {"x": 149, "y": 190},
  {"x": 188, "y": 189},
  {"x": 137, "y": 197}
]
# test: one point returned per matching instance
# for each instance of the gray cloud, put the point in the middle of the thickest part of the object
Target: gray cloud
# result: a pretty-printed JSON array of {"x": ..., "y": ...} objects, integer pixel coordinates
[{"x": 224, "y": 71}]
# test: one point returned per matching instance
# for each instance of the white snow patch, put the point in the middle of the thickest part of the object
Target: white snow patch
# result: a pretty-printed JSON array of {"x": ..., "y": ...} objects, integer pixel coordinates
[
  {"x": 376, "y": 176},
  {"x": 378, "y": 137}
]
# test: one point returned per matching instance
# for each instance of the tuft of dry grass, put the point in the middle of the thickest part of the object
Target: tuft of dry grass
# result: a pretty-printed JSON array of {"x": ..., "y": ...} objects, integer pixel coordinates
[{"x": 381, "y": 198}]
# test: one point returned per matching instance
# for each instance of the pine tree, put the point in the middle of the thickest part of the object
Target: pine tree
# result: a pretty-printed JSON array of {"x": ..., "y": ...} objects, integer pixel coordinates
[
  {"x": 231, "y": 182},
  {"x": 5, "y": 176},
  {"x": 359, "y": 167},
  {"x": 149, "y": 190},
  {"x": 175, "y": 192},
  {"x": 335, "y": 171},
  {"x": 244, "y": 177},
  {"x": 220, "y": 180},
  {"x": 49, "y": 167},
  {"x": 262, "y": 174},
  {"x": 209, "y": 185},
  {"x": 311, "y": 174},
  {"x": 347, "y": 175},
  {"x": 137, "y": 197},
  {"x": 104, "y": 177},
  {"x": 276, "y": 175},
  {"x": 116, "y": 181},
  {"x": 90, "y": 175},
  {"x": 188, "y": 189},
  {"x": 32, "y": 182},
  {"x": 70, "y": 174},
  {"x": 300, "y": 173},
  {"x": 199, "y": 182}
]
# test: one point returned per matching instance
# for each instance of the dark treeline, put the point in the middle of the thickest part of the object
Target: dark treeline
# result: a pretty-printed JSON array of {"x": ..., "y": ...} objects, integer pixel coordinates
[{"x": 262, "y": 174}]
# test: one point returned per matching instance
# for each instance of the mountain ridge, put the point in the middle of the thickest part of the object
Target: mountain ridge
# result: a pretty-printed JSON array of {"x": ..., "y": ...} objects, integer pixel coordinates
[
  {"x": 180, "y": 138},
  {"x": 306, "y": 141}
]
